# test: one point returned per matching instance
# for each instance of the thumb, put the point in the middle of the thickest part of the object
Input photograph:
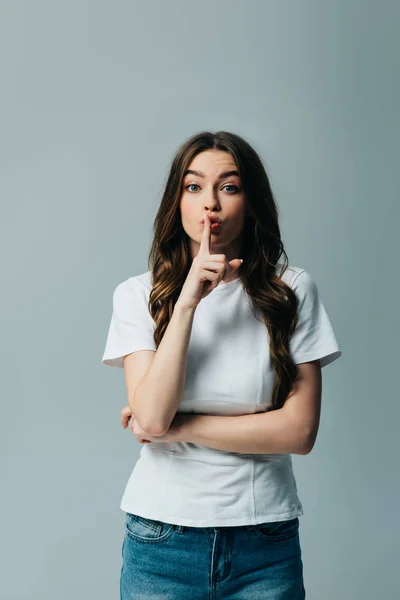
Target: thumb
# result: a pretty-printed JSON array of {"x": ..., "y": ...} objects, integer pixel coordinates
[{"x": 235, "y": 264}]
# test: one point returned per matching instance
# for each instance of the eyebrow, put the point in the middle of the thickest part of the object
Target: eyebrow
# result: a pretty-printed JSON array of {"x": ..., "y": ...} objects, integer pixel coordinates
[{"x": 222, "y": 176}]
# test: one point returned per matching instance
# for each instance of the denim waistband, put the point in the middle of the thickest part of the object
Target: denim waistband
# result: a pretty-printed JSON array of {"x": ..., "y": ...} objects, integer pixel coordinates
[{"x": 181, "y": 528}]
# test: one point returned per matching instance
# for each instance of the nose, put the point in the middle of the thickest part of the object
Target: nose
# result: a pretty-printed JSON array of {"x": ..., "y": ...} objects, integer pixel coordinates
[{"x": 212, "y": 205}]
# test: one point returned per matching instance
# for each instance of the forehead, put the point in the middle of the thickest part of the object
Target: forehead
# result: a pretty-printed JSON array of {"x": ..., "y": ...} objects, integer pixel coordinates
[{"x": 212, "y": 163}]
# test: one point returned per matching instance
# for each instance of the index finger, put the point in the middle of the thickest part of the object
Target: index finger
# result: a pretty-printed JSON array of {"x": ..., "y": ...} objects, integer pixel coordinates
[{"x": 206, "y": 237}]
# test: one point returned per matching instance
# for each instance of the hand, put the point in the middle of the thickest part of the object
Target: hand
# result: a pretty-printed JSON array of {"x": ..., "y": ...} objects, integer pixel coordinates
[
  {"x": 205, "y": 267},
  {"x": 126, "y": 414}
]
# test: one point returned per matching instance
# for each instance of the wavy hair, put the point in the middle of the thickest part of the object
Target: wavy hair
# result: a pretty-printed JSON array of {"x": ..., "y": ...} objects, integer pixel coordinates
[{"x": 170, "y": 256}]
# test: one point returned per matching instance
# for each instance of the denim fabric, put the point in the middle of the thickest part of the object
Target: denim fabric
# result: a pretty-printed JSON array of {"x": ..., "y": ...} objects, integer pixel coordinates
[{"x": 163, "y": 561}]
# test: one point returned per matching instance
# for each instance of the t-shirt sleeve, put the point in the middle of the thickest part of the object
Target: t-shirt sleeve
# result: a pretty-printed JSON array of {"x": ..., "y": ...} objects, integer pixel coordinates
[
  {"x": 313, "y": 337},
  {"x": 131, "y": 327}
]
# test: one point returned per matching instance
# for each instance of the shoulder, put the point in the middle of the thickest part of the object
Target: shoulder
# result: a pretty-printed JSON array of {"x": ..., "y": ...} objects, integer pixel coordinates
[
  {"x": 143, "y": 280},
  {"x": 133, "y": 284},
  {"x": 132, "y": 290},
  {"x": 293, "y": 275},
  {"x": 301, "y": 282}
]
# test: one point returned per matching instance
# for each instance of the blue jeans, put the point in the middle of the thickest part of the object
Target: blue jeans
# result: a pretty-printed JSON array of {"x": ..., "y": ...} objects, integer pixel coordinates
[{"x": 163, "y": 561}]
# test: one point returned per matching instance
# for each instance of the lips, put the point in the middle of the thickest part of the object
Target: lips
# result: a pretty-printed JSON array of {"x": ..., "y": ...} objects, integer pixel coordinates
[
  {"x": 213, "y": 220},
  {"x": 215, "y": 226}
]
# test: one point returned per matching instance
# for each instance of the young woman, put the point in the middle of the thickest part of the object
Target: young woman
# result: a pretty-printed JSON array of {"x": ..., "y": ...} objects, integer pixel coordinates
[{"x": 222, "y": 362}]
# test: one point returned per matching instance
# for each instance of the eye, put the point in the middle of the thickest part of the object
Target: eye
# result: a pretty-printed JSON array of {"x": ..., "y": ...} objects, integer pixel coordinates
[
  {"x": 232, "y": 186},
  {"x": 190, "y": 185},
  {"x": 225, "y": 186}
]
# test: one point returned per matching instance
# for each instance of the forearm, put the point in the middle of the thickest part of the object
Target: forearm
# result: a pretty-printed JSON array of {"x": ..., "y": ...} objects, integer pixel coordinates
[
  {"x": 261, "y": 433},
  {"x": 159, "y": 393}
]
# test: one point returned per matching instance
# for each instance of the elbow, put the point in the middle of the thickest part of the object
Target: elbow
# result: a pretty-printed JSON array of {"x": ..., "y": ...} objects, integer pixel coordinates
[
  {"x": 151, "y": 424},
  {"x": 148, "y": 425},
  {"x": 151, "y": 427},
  {"x": 156, "y": 428},
  {"x": 307, "y": 443},
  {"x": 304, "y": 450},
  {"x": 155, "y": 432}
]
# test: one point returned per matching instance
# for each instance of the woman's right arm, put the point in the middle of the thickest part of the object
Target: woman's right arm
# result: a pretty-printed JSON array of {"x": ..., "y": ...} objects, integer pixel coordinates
[
  {"x": 159, "y": 392},
  {"x": 156, "y": 397}
]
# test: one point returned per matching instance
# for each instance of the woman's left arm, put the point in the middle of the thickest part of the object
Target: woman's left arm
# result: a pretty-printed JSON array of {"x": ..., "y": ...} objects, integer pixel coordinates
[{"x": 291, "y": 429}]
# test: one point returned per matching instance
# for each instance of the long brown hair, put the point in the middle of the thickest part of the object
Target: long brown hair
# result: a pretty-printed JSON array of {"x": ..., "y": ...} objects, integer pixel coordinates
[{"x": 170, "y": 256}]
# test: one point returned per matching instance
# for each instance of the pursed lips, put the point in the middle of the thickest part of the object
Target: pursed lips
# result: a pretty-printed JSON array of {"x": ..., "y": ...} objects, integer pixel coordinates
[{"x": 213, "y": 221}]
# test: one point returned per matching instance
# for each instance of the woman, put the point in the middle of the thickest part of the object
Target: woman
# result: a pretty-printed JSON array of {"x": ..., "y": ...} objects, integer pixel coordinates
[{"x": 222, "y": 363}]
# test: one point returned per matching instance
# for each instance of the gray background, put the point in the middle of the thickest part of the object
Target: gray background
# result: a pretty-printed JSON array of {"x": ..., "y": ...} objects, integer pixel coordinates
[{"x": 95, "y": 98}]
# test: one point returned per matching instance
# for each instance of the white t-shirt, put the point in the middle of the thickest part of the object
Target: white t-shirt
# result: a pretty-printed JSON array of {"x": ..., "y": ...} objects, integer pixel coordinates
[{"x": 228, "y": 373}]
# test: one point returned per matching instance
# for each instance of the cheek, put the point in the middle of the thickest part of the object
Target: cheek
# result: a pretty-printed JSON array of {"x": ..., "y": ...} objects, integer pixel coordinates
[
  {"x": 237, "y": 214},
  {"x": 189, "y": 212}
]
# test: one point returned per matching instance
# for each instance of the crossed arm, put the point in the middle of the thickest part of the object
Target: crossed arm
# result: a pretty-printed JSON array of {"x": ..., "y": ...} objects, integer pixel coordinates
[{"x": 290, "y": 430}]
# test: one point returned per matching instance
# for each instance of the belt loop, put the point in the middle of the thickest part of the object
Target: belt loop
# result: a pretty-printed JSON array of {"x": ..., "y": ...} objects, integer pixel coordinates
[{"x": 179, "y": 528}]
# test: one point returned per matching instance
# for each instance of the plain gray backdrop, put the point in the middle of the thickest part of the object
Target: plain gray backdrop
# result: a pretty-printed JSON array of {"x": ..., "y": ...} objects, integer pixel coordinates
[{"x": 96, "y": 96}]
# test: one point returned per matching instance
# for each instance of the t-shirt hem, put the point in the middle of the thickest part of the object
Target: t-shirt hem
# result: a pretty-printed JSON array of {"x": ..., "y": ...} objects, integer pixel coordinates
[{"x": 215, "y": 522}]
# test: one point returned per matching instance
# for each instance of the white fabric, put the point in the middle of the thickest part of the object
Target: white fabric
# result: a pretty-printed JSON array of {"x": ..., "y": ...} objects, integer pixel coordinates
[{"x": 228, "y": 373}]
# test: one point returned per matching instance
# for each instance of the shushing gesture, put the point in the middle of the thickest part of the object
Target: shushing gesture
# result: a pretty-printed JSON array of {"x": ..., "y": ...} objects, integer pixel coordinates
[{"x": 206, "y": 268}]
